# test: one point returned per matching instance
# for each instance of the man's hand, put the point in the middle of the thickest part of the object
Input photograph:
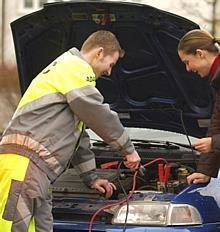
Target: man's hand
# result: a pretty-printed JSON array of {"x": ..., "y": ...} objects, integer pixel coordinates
[
  {"x": 104, "y": 186},
  {"x": 197, "y": 178},
  {"x": 203, "y": 145},
  {"x": 132, "y": 160}
]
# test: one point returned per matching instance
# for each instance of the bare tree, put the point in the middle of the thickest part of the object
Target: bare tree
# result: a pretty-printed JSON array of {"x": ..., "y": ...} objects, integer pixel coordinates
[
  {"x": 211, "y": 18},
  {"x": 214, "y": 20}
]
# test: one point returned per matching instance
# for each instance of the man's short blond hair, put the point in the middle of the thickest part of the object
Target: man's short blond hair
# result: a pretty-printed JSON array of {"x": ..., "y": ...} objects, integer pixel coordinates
[{"x": 105, "y": 39}]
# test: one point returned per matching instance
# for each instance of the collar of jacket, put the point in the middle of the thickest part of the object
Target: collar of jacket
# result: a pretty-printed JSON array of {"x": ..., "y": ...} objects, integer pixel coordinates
[
  {"x": 76, "y": 52},
  {"x": 216, "y": 79},
  {"x": 215, "y": 66}
]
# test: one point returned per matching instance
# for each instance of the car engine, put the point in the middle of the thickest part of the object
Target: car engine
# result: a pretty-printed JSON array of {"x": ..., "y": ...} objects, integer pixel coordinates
[
  {"x": 73, "y": 200},
  {"x": 181, "y": 161}
]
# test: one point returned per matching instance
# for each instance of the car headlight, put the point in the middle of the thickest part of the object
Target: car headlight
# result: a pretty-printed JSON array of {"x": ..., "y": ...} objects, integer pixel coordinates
[
  {"x": 183, "y": 214},
  {"x": 157, "y": 213}
]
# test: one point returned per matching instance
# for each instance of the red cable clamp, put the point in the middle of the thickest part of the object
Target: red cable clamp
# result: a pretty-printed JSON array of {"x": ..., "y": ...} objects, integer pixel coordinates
[{"x": 163, "y": 172}]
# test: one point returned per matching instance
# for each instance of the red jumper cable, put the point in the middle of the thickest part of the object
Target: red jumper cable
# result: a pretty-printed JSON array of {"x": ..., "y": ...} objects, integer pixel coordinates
[
  {"x": 129, "y": 195},
  {"x": 163, "y": 173}
]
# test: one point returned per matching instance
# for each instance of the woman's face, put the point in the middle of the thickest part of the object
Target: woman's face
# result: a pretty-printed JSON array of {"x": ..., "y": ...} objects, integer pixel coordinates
[{"x": 197, "y": 62}]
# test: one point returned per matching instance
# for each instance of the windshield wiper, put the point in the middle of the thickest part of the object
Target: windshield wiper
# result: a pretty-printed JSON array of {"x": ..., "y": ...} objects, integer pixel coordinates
[
  {"x": 141, "y": 143},
  {"x": 155, "y": 144}
]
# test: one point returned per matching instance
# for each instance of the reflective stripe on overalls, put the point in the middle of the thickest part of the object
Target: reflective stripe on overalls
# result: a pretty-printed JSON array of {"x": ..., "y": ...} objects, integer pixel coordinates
[
  {"x": 16, "y": 187},
  {"x": 13, "y": 168}
]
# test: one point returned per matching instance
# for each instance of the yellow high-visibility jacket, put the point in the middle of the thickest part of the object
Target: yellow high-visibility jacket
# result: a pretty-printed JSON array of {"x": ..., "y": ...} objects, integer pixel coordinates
[{"x": 49, "y": 121}]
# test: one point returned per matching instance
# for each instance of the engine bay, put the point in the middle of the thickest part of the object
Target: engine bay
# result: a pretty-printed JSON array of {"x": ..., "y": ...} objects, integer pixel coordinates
[
  {"x": 156, "y": 176},
  {"x": 165, "y": 167}
]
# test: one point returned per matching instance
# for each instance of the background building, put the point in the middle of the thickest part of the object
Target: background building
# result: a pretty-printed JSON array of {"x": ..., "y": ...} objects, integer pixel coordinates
[{"x": 11, "y": 10}]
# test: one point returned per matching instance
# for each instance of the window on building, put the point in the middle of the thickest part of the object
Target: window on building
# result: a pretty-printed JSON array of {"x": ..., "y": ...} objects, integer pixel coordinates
[
  {"x": 31, "y": 5},
  {"x": 28, "y": 4},
  {"x": 42, "y": 2}
]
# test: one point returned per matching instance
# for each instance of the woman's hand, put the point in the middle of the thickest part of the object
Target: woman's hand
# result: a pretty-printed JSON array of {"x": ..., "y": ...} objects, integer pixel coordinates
[
  {"x": 203, "y": 145},
  {"x": 197, "y": 178}
]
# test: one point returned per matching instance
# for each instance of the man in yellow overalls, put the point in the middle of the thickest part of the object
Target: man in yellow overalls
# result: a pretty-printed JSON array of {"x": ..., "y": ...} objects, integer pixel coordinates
[{"x": 47, "y": 131}]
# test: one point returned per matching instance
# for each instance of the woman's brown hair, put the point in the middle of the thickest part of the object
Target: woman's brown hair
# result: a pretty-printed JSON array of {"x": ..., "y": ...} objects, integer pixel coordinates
[
  {"x": 104, "y": 39},
  {"x": 198, "y": 39}
]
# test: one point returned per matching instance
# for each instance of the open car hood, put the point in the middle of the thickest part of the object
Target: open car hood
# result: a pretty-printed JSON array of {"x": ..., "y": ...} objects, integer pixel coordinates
[{"x": 149, "y": 87}]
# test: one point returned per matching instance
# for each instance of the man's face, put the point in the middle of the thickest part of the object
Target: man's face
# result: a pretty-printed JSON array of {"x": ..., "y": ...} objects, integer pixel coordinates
[
  {"x": 103, "y": 64},
  {"x": 195, "y": 62}
]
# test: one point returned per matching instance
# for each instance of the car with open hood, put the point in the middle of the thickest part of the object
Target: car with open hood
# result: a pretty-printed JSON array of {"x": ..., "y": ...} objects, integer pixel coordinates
[{"x": 162, "y": 106}]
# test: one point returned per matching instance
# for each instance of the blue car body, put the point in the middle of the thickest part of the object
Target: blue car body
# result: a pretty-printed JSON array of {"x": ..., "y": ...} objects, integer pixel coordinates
[{"x": 205, "y": 197}]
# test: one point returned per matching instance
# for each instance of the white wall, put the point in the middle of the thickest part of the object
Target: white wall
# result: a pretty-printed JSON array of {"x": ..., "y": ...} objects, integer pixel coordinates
[
  {"x": 217, "y": 26},
  {"x": 10, "y": 15}
]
